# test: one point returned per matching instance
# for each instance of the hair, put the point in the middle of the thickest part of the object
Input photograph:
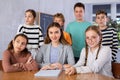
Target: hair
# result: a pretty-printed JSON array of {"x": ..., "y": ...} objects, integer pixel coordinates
[
  {"x": 31, "y": 11},
  {"x": 97, "y": 30},
  {"x": 59, "y": 15},
  {"x": 79, "y": 4},
  {"x": 61, "y": 40},
  {"x": 11, "y": 48},
  {"x": 101, "y": 12}
]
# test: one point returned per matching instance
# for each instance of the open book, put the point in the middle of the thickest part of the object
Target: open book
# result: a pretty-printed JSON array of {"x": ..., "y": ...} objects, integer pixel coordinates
[{"x": 49, "y": 73}]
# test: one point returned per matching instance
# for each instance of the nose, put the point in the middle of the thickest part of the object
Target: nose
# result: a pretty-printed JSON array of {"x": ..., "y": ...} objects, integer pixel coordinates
[
  {"x": 90, "y": 40},
  {"x": 19, "y": 45}
]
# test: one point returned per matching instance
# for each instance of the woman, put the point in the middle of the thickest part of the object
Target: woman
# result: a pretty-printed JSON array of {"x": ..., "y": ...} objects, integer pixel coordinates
[{"x": 56, "y": 51}]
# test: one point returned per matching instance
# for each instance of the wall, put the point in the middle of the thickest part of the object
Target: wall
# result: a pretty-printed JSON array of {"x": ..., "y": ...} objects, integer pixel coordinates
[{"x": 98, "y": 1}]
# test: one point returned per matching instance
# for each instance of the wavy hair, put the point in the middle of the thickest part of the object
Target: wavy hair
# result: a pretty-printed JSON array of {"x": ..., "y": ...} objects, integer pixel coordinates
[{"x": 61, "y": 40}]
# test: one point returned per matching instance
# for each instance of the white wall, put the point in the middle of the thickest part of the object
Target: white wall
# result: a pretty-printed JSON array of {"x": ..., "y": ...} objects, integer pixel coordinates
[{"x": 98, "y": 1}]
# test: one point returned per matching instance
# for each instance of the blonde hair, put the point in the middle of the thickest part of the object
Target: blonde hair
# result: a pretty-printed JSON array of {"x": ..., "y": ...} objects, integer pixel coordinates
[
  {"x": 97, "y": 30},
  {"x": 59, "y": 15}
]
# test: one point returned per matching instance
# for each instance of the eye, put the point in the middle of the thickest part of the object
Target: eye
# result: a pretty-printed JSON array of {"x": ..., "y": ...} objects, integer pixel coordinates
[
  {"x": 93, "y": 37},
  {"x": 50, "y": 32},
  {"x": 23, "y": 43},
  {"x": 17, "y": 41},
  {"x": 56, "y": 31},
  {"x": 86, "y": 37}
]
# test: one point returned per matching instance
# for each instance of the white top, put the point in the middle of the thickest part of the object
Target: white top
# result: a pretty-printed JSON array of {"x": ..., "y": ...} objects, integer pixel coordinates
[{"x": 101, "y": 65}]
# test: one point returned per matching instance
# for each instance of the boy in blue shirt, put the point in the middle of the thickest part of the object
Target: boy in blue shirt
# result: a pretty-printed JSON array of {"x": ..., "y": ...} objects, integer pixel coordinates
[{"x": 77, "y": 28}]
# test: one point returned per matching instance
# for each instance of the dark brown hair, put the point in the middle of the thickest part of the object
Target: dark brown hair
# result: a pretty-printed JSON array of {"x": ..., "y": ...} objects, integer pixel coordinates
[
  {"x": 31, "y": 11},
  {"x": 11, "y": 48},
  {"x": 101, "y": 12},
  {"x": 97, "y": 30},
  {"x": 61, "y": 40},
  {"x": 79, "y": 4}
]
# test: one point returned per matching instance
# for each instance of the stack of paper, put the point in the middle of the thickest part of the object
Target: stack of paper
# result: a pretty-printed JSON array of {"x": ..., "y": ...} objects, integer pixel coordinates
[{"x": 49, "y": 73}]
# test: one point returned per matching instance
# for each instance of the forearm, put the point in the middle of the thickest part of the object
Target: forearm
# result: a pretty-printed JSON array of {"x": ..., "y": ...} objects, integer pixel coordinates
[
  {"x": 31, "y": 66},
  {"x": 11, "y": 68}
]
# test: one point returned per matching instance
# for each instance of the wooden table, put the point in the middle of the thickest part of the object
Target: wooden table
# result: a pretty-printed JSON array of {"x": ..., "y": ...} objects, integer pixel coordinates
[{"x": 30, "y": 76}]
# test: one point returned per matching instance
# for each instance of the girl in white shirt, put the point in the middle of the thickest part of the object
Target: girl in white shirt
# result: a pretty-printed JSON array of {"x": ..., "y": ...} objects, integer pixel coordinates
[{"x": 94, "y": 58}]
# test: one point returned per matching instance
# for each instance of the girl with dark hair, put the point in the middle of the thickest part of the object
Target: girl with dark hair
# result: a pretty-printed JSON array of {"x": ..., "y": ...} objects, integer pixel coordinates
[
  {"x": 17, "y": 57},
  {"x": 56, "y": 52}
]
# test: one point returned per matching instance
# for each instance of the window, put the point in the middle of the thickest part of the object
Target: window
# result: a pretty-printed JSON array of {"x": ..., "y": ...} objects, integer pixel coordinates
[
  {"x": 105, "y": 7},
  {"x": 118, "y": 8}
]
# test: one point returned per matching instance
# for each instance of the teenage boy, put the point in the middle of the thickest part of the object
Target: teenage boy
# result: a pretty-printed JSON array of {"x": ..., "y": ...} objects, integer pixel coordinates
[
  {"x": 77, "y": 28},
  {"x": 109, "y": 35}
]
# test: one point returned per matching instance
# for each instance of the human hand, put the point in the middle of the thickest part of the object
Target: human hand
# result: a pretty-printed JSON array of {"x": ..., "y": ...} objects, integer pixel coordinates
[
  {"x": 56, "y": 65},
  {"x": 70, "y": 71},
  {"x": 46, "y": 67},
  {"x": 20, "y": 66},
  {"x": 65, "y": 66},
  {"x": 29, "y": 61}
]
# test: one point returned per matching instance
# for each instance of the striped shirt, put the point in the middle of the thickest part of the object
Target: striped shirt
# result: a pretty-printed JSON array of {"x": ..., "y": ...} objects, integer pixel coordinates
[
  {"x": 34, "y": 34},
  {"x": 109, "y": 38}
]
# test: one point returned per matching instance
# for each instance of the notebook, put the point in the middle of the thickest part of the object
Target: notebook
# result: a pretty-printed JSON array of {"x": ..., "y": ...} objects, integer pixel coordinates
[{"x": 49, "y": 73}]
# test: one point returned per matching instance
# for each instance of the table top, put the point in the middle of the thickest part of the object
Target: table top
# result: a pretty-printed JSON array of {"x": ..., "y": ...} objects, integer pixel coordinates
[{"x": 29, "y": 75}]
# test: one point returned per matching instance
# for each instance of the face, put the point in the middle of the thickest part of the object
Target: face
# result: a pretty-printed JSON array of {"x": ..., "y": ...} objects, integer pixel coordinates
[
  {"x": 79, "y": 13},
  {"x": 54, "y": 34},
  {"x": 59, "y": 20},
  {"x": 101, "y": 19},
  {"x": 92, "y": 39},
  {"x": 29, "y": 18},
  {"x": 19, "y": 44}
]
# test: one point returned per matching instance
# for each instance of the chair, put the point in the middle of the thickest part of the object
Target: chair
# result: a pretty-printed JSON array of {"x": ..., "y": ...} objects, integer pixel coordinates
[
  {"x": 116, "y": 70},
  {"x": 1, "y": 65}
]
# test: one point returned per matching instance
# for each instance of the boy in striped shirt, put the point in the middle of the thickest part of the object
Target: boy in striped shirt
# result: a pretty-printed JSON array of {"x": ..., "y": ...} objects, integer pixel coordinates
[{"x": 109, "y": 34}]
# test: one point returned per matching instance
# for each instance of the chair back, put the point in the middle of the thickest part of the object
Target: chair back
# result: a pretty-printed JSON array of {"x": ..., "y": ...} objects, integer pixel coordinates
[
  {"x": 1, "y": 65},
  {"x": 116, "y": 70}
]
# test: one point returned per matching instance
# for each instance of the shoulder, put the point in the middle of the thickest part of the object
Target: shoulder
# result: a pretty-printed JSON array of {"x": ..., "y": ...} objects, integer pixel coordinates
[
  {"x": 6, "y": 53},
  {"x": 21, "y": 26},
  {"x": 71, "y": 23},
  {"x": 66, "y": 47},
  {"x": 111, "y": 29},
  {"x": 105, "y": 49},
  {"x": 86, "y": 23},
  {"x": 65, "y": 33},
  {"x": 37, "y": 26},
  {"x": 45, "y": 46}
]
